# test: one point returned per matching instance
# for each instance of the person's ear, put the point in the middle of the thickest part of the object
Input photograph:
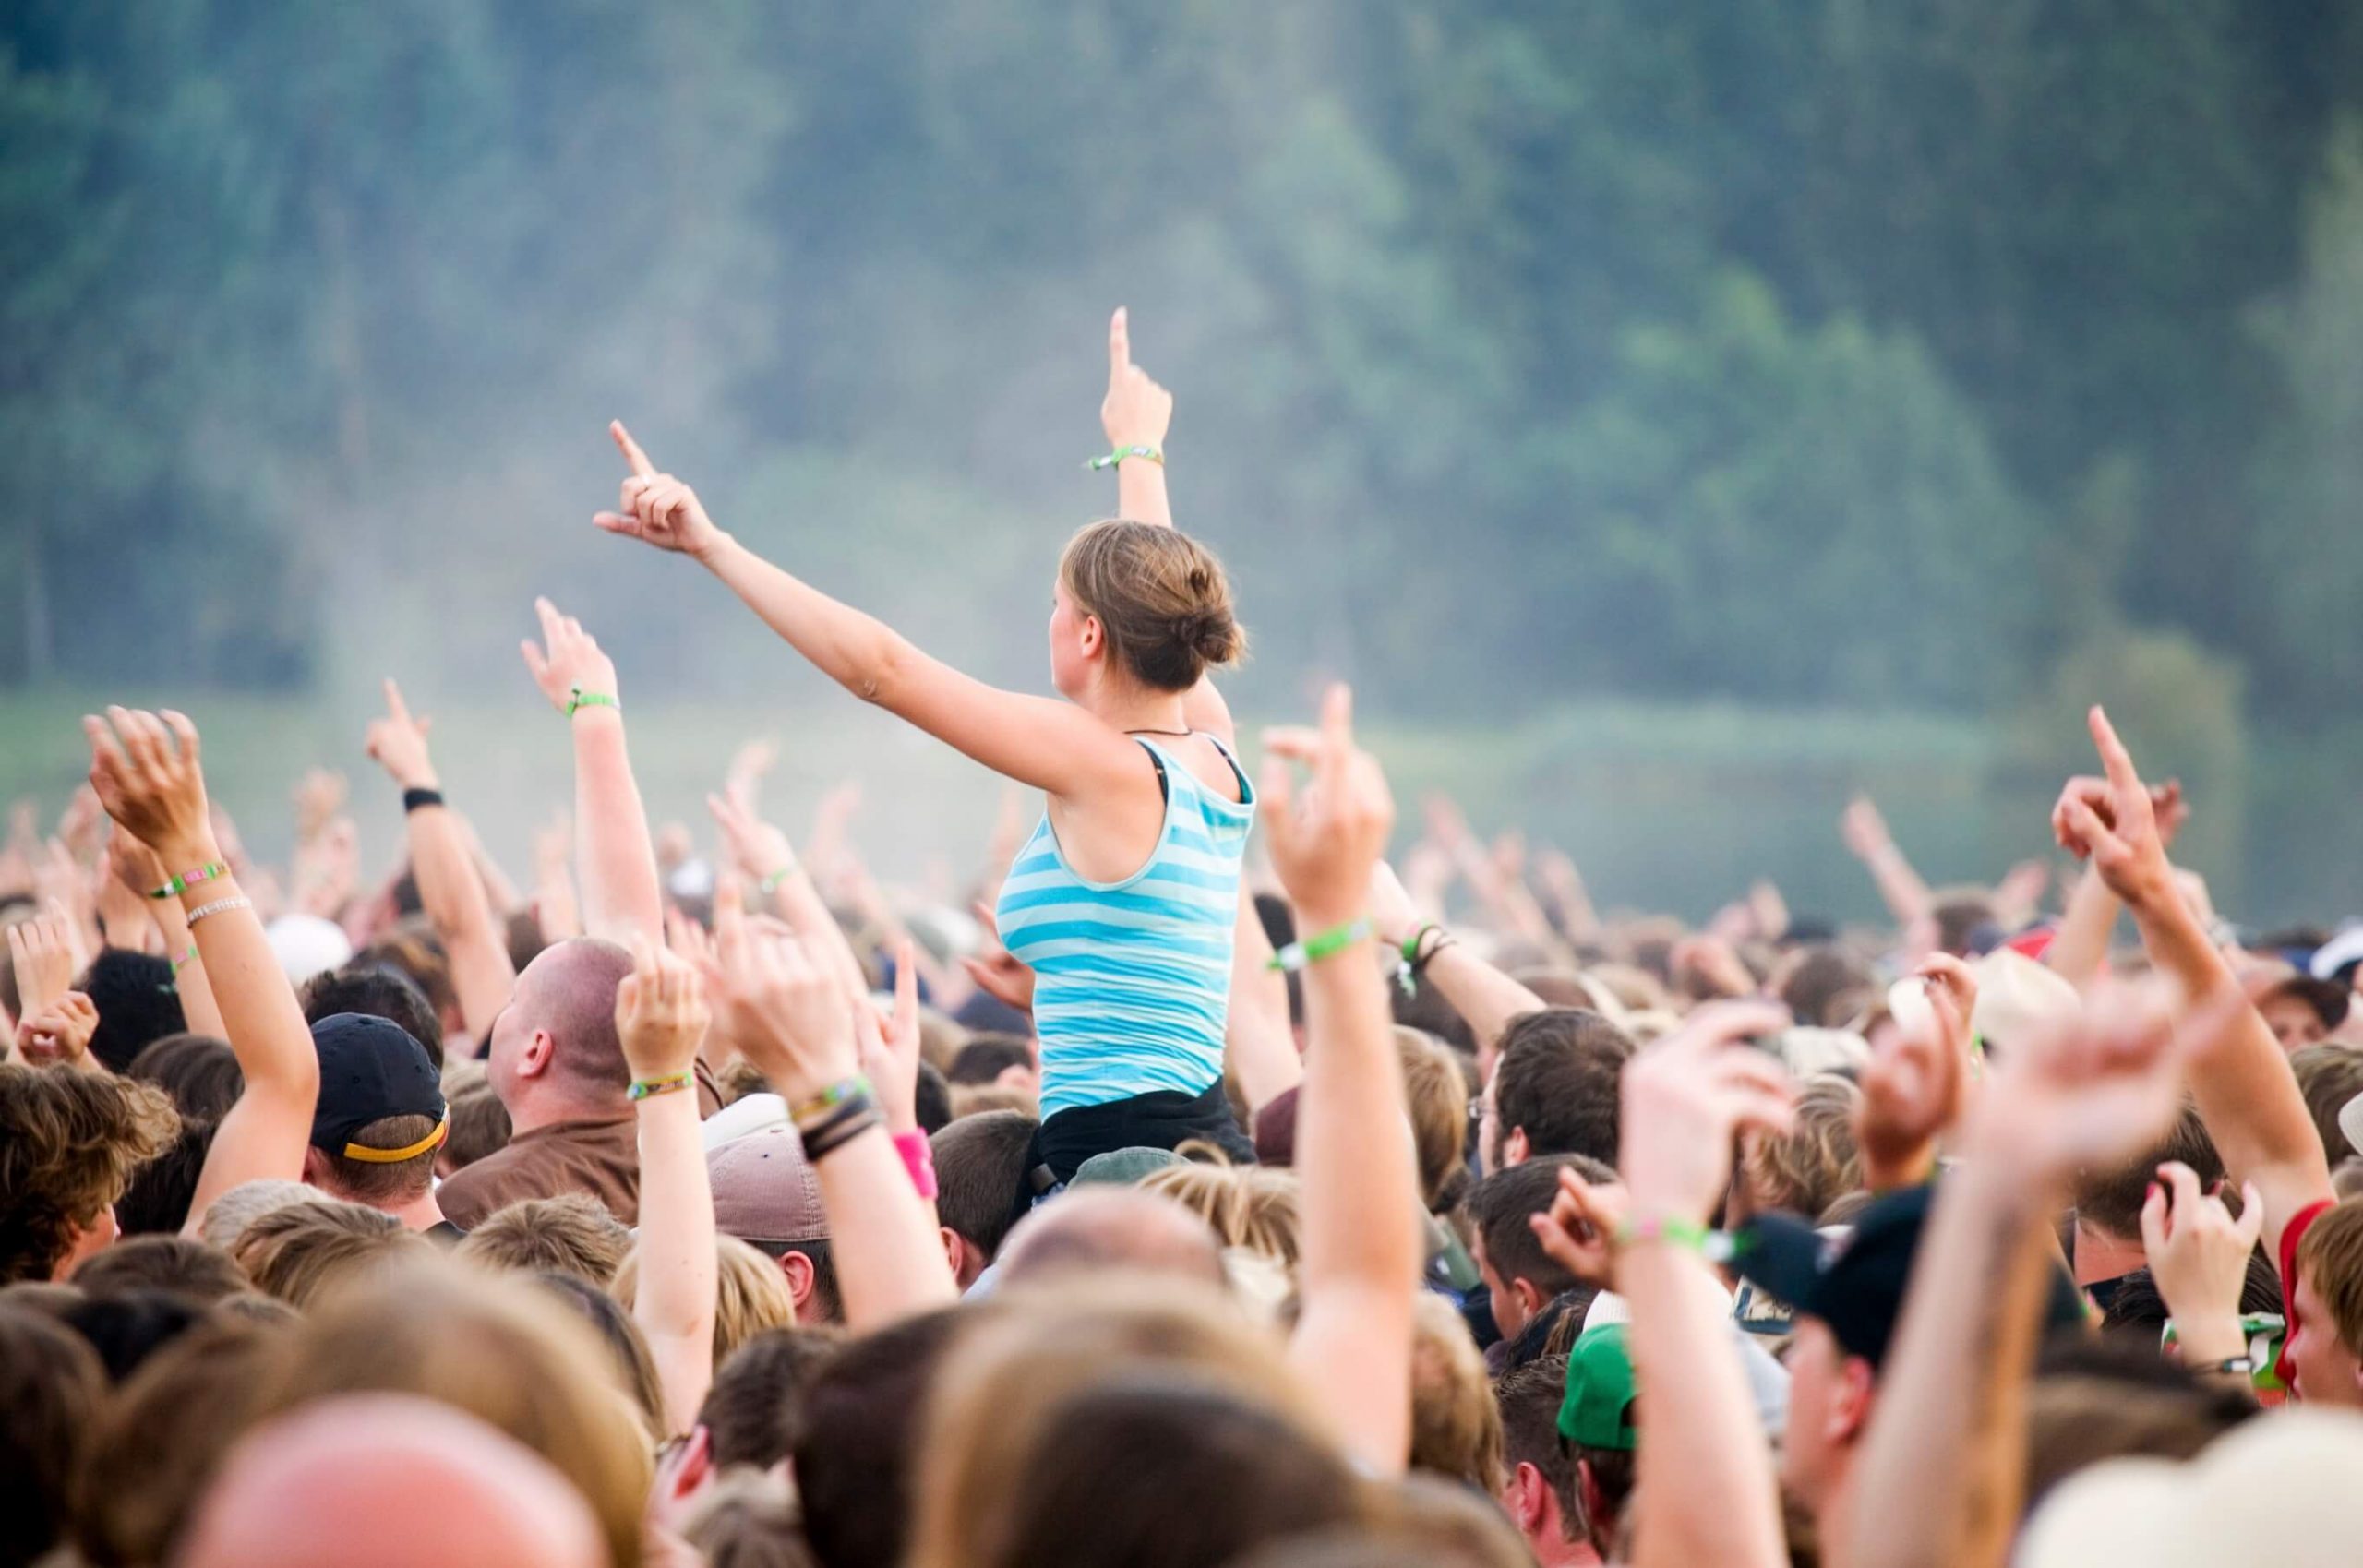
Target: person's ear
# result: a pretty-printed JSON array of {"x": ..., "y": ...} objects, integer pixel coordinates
[
  {"x": 1094, "y": 637},
  {"x": 1850, "y": 1412},
  {"x": 1524, "y": 1498},
  {"x": 535, "y": 1059},
  {"x": 316, "y": 1165},
  {"x": 1528, "y": 1297},
  {"x": 955, "y": 1253},
  {"x": 1018, "y": 1077},
  {"x": 799, "y": 1269},
  {"x": 1514, "y": 1148},
  {"x": 1595, "y": 1501}
]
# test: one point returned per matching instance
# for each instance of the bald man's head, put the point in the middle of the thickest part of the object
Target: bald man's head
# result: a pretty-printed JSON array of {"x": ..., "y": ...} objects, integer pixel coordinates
[
  {"x": 389, "y": 1481},
  {"x": 1110, "y": 1227},
  {"x": 558, "y": 1034}
]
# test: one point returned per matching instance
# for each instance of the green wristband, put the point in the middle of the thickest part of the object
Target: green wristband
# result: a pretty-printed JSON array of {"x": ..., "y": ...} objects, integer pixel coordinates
[
  {"x": 577, "y": 700},
  {"x": 1121, "y": 454},
  {"x": 1715, "y": 1246},
  {"x": 1297, "y": 957},
  {"x": 672, "y": 1082},
  {"x": 211, "y": 870}
]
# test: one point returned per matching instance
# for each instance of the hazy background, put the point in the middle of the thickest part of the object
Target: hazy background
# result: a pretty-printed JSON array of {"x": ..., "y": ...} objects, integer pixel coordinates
[{"x": 1671, "y": 415}]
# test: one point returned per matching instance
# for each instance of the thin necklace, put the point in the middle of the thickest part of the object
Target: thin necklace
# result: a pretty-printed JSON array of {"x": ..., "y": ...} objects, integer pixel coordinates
[{"x": 1169, "y": 735}]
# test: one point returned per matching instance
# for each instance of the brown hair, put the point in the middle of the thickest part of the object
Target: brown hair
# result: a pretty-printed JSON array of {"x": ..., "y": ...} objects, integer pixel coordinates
[
  {"x": 2110, "y": 1200},
  {"x": 1502, "y": 1205},
  {"x": 750, "y": 1293},
  {"x": 1244, "y": 1205},
  {"x": 385, "y": 1182},
  {"x": 69, "y": 1140},
  {"x": 1037, "y": 1418},
  {"x": 1558, "y": 1080},
  {"x": 755, "y": 1407},
  {"x": 1437, "y": 1098},
  {"x": 50, "y": 1390},
  {"x": 159, "y": 1441},
  {"x": 747, "y": 1520},
  {"x": 1528, "y": 1398},
  {"x": 295, "y": 1253},
  {"x": 479, "y": 1121},
  {"x": 201, "y": 1073},
  {"x": 500, "y": 1351},
  {"x": 1455, "y": 1426},
  {"x": 1803, "y": 1170},
  {"x": 2329, "y": 1076},
  {"x": 178, "y": 1263},
  {"x": 572, "y": 1233},
  {"x": 2330, "y": 1257},
  {"x": 1160, "y": 596},
  {"x": 634, "y": 1364}
]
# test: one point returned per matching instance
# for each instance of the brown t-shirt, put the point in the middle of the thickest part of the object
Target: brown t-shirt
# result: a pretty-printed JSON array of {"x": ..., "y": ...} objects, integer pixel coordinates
[{"x": 601, "y": 1158}]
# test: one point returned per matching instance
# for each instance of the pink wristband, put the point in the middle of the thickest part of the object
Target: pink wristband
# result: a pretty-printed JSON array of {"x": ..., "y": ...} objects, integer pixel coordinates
[{"x": 919, "y": 1159}]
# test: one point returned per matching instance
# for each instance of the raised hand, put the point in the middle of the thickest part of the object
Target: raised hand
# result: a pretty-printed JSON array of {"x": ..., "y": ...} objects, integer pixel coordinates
[
  {"x": 1864, "y": 828},
  {"x": 2113, "y": 822},
  {"x": 2171, "y": 809},
  {"x": 757, "y": 849},
  {"x": 1392, "y": 913},
  {"x": 2095, "y": 1092},
  {"x": 744, "y": 781},
  {"x": 2197, "y": 1252},
  {"x": 786, "y": 1013},
  {"x": 567, "y": 658},
  {"x": 1136, "y": 411},
  {"x": 1914, "y": 1084},
  {"x": 1326, "y": 842},
  {"x": 1579, "y": 1231},
  {"x": 44, "y": 953},
  {"x": 397, "y": 742},
  {"x": 890, "y": 1047},
  {"x": 319, "y": 795},
  {"x": 656, "y": 508},
  {"x": 996, "y": 971},
  {"x": 661, "y": 1013},
  {"x": 59, "y": 1032},
  {"x": 1685, "y": 1097},
  {"x": 148, "y": 774}
]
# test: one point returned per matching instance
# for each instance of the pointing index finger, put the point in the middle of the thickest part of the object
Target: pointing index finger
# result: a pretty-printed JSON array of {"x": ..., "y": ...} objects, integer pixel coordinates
[
  {"x": 2115, "y": 758},
  {"x": 395, "y": 708},
  {"x": 631, "y": 450},
  {"x": 1120, "y": 343}
]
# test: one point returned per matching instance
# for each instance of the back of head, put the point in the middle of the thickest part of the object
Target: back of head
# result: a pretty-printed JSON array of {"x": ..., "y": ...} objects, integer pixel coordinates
[
  {"x": 69, "y": 1142},
  {"x": 756, "y": 1405},
  {"x": 500, "y": 1351},
  {"x": 343, "y": 1482},
  {"x": 51, "y": 1391},
  {"x": 160, "y": 1440},
  {"x": 1557, "y": 1083},
  {"x": 571, "y": 998},
  {"x": 572, "y": 1234},
  {"x": 986, "y": 1056},
  {"x": 156, "y": 1201},
  {"x": 200, "y": 1072},
  {"x": 1245, "y": 1206},
  {"x": 2094, "y": 1399},
  {"x": 301, "y": 1251},
  {"x": 981, "y": 1167},
  {"x": 1500, "y": 1207},
  {"x": 1825, "y": 988},
  {"x": 1437, "y": 1098},
  {"x": 856, "y": 1446},
  {"x": 178, "y": 1263},
  {"x": 1160, "y": 596},
  {"x": 227, "y": 1220},
  {"x": 632, "y": 1362},
  {"x": 137, "y": 1002},
  {"x": 2110, "y": 1200},
  {"x": 1528, "y": 1399},
  {"x": 1101, "y": 1228},
  {"x": 375, "y": 990},
  {"x": 747, "y": 1521},
  {"x": 751, "y": 1294},
  {"x": 2329, "y": 1076},
  {"x": 1455, "y": 1426},
  {"x": 480, "y": 1123},
  {"x": 125, "y": 1327},
  {"x": 1806, "y": 1169}
]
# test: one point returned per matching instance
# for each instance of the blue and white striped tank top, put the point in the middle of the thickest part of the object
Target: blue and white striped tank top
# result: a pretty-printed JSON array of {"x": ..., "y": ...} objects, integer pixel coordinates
[{"x": 1131, "y": 979}]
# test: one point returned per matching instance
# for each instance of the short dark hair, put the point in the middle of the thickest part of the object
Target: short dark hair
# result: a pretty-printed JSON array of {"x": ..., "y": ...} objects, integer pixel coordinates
[
  {"x": 1822, "y": 985},
  {"x": 129, "y": 1326},
  {"x": 756, "y": 1401},
  {"x": 1500, "y": 1206},
  {"x": 178, "y": 1263},
  {"x": 2110, "y": 1200},
  {"x": 1557, "y": 1080},
  {"x": 384, "y": 1181},
  {"x": 2136, "y": 1308},
  {"x": 479, "y": 1123},
  {"x": 855, "y": 1452},
  {"x": 137, "y": 1002},
  {"x": 156, "y": 1202},
  {"x": 986, "y": 1056},
  {"x": 2329, "y": 1076},
  {"x": 1529, "y": 1399},
  {"x": 200, "y": 1072},
  {"x": 932, "y": 1100},
  {"x": 376, "y": 989},
  {"x": 980, "y": 1170},
  {"x": 51, "y": 1388}
]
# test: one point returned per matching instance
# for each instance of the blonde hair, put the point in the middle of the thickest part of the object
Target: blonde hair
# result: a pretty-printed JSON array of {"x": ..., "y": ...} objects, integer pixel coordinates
[
  {"x": 69, "y": 1143},
  {"x": 1806, "y": 1169},
  {"x": 1001, "y": 1396},
  {"x": 296, "y": 1253},
  {"x": 1252, "y": 1206},
  {"x": 230, "y": 1213},
  {"x": 1160, "y": 596},
  {"x": 572, "y": 1233},
  {"x": 1456, "y": 1424},
  {"x": 498, "y": 1350},
  {"x": 751, "y": 1294},
  {"x": 1437, "y": 1097}
]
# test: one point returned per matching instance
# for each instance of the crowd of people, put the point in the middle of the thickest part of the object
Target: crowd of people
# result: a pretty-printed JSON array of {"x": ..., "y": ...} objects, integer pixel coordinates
[{"x": 1213, "y": 1194}]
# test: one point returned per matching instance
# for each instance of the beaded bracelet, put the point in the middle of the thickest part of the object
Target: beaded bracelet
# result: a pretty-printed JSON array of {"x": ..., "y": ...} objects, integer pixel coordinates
[
  {"x": 1121, "y": 454},
  {"x": 218, "y": 906},
  {"x": 644, "y": 1088},
  {"x": 1715, "y": 1246},
  {"x": 212, "y": 870},
  {"x": 577, "y": 700},
  {"x": 1298, "y": 956},
  {"x": 834, "y": 1095},
  {"x": 183, "y": 962}
]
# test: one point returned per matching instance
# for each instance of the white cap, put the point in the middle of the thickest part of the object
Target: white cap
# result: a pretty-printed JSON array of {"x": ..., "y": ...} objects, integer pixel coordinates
[
  {"x": 307, "y": 945},
  {"x": 2278, "y": 1489},
  {"x": 2018, "y": 997},
  {"x": 2336, "y": 953}
]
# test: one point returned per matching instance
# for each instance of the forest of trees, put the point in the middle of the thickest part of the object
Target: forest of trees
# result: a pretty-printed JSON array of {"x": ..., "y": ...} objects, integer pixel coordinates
[{"x": 1792, "y": 352}]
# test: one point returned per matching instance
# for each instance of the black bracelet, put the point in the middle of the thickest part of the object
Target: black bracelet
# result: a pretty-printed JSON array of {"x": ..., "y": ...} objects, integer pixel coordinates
[
  {"x": 840, "y": 1130},
  {"x": 860, "y": 1103},
  {"x": 414, "y": 798}
]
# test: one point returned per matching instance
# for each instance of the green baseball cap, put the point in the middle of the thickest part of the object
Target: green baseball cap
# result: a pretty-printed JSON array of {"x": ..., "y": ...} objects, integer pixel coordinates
[{"x": 1597, "y": 1411}]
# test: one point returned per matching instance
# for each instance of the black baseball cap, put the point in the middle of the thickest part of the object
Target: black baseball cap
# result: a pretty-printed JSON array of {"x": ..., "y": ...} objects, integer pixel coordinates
[
  {"x": 1853, "y": 1281},
  {"x": 371, "y": 1069}
]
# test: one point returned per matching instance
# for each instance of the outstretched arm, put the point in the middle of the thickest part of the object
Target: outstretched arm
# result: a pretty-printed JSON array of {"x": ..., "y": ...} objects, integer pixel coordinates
[
  {"x": 1360, "y": 1192},
  {"x": 449, "y": 888},
  {"x": 661, "y": 1018},
  {"x": 622, "y": 894},
  {"x": 1051, "y": 745},
  {"x": 1907, "y": 897},
  {"x": 147, "y": 774},
  {"x": 2239, "y": 1077},
  {"x": 1257, "y": 1035},
  {"x": 1485, "y": 997}
]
